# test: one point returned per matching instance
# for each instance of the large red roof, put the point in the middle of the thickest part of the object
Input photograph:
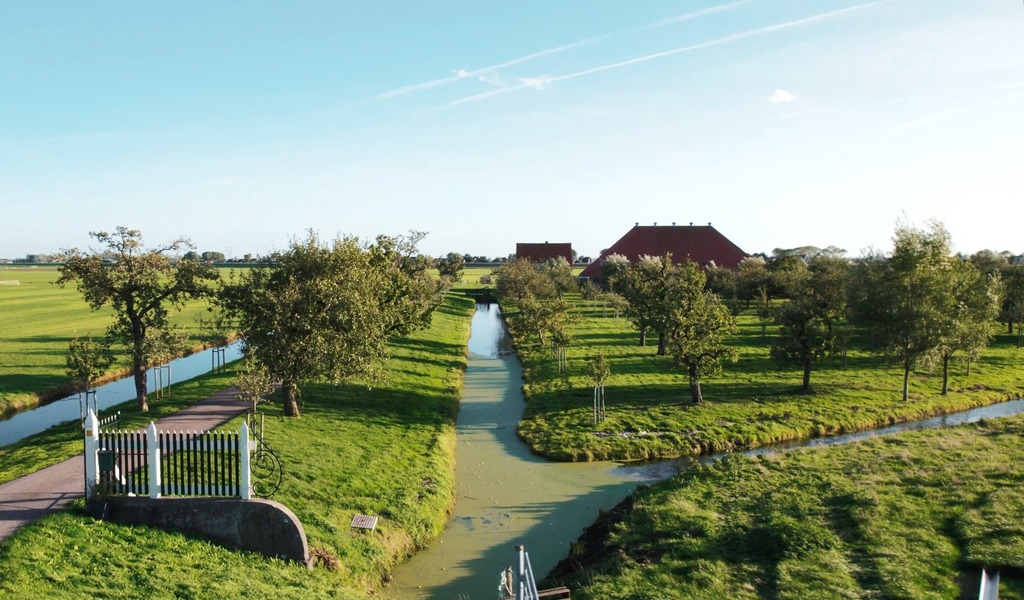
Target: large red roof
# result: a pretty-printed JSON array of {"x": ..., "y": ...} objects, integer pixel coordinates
[
  {"x": 700, "y": 243},
  {"x": 539, "y": 253}
]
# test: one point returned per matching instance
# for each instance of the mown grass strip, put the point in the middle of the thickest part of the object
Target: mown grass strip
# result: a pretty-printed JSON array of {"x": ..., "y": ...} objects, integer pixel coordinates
[{"x": 387, "y": 451}]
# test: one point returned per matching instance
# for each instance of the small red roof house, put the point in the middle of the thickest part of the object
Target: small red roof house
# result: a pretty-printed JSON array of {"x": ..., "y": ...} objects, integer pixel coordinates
[
  {"x": 539, "y": 253},
  {"x": 700, "y": 243}
]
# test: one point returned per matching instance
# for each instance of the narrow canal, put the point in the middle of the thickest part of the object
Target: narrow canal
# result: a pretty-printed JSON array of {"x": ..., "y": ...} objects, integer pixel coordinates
[
  {"x": 33, "y": 421},
  {"x": 507, "y": 496}
]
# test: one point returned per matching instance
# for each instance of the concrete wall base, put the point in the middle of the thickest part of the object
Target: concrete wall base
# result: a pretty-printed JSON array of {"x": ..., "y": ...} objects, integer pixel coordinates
[{"x": 262, "y": 526}]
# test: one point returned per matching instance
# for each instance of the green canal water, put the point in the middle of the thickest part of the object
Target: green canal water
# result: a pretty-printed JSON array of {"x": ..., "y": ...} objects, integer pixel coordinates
[{"x": 505, "y": 495}]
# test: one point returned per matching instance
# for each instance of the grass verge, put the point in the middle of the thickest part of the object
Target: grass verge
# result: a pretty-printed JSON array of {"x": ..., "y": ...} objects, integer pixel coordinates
[{"x": 913, "y": 515}]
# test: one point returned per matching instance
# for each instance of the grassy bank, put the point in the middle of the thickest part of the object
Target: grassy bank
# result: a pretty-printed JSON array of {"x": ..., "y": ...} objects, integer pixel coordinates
[
  {"x": 752, "y": 403},
  {"x": 38, "y": 319},
  {"x": 914, "y": 515},
  {"x": 387, "y": 451}
]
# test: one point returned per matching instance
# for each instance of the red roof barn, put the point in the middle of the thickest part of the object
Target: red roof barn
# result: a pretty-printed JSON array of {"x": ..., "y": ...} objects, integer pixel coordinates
[
  {"x": 700, "y": 243},
  {"x": 539, "y": 253}
]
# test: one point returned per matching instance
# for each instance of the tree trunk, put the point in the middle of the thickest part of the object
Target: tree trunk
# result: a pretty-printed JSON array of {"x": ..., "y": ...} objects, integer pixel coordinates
[
  {"x": 695, "y": 395},
  {"x": 643, "y": 336},
  {"x": 968, "y": 367},
  {"x": 139, "y": 368},
  {"x": 662, "y": 343},
  {"x": 291, "y": 406},
  {"x": 906, "y": 379},
  {"x": 945, "y": 374},
  {"x": 140, "y": 387},
  {"x": 807, "y": 375}
]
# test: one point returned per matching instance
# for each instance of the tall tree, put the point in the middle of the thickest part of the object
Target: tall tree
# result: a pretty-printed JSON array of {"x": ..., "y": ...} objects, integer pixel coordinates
[
  {"x": 141, "y": 285},
  {"x": 697, "y": 342},
  {"x": 903, "y": 299},
  {"x": 324, "y": 312}
]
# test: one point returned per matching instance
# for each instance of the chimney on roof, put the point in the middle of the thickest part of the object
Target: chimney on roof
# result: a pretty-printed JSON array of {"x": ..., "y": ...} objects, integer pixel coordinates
[
  {"x": 655, "y": 223},
  {"x": 691, "y": 223},
  {"x": 673, "y": 223},
  {"x": 709, "y": 223},
  {"x": 637, "y": 224}
]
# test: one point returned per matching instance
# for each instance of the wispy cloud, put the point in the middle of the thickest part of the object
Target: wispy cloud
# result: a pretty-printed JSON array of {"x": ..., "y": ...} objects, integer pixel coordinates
[
  {"x": 781, "y": 96},
  {"x": 480, "y": 73},
  {"x": 728, "y": 39}
]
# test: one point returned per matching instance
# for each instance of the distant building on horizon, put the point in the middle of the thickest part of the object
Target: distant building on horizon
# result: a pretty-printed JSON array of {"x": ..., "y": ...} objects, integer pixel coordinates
[
  {"x": 703, "y": 244},
  {"x": 539, "y": 253}
]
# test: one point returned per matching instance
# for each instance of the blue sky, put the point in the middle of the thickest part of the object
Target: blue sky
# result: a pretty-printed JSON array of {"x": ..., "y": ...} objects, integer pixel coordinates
[{"x": 243, "y": 124}]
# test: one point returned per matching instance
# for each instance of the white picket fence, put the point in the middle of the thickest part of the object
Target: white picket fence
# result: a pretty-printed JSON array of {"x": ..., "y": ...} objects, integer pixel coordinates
[{"x": 156, "y": 463}]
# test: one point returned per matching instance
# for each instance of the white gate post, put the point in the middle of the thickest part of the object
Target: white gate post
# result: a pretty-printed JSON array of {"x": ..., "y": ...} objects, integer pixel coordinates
[
  {"x": 92, "y": 467},
  {"x": 244, "y": 449},
  {"x": 153, "y": 441}
]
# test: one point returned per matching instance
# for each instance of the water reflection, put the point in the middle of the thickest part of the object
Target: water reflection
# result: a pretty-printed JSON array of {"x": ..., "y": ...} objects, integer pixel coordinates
[{"x": 39, "y": 419}]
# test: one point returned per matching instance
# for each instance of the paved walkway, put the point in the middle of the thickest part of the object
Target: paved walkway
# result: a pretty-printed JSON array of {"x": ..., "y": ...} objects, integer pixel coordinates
[{"x": 52, "y": 489}]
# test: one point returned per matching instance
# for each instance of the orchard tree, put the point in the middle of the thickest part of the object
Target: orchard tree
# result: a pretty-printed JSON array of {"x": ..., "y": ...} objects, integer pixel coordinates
[
  {"x": 559, "y": 271},
  {"x": 903, "y": 300},
  {"x": 637, "y": 286},
  {"x": 534, "y": 293},
  {"x": 451, "y": 267},
  {"x": 141, "y": 285},
  {"x": 412, "y": 293},
  {"x": 967, "y": 328},
  {"x": 1012, "y": 306},
  {"x": 702, "y": 322},
  {"x": 805, "y": 318},
  {"x": 88, "y": 360},
  {"x": 324, "y": 312}
]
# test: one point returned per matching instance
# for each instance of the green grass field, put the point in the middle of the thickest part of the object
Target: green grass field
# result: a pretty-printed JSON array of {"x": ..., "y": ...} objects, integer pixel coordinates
[
  {"x": 37, "y": 320},
  {"x": 386, "y": 451},
  {"x": 752, "y": 403},
  {"x": 914, "y": 515}
]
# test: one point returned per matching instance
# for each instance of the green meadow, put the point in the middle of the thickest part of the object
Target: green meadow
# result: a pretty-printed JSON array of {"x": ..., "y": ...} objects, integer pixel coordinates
[
  {"x": 914, "y": 515},
  {"x": 386, "y": 451},
  {"x": 37, "y": 321},
  {"x": 751, "y": 403}
]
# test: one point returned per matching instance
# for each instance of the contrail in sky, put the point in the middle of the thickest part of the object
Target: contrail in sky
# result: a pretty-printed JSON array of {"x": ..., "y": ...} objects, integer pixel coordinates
[
  {"x": 461, "y": 74},
  {"x": 641, "y": 59}
]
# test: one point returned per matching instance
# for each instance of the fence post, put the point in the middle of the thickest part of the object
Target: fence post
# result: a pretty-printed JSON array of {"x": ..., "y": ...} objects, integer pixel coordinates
[
  {"x": 244, "y": 448},
  {"x": 153, "y": 441},
  {"x": 92, "y": 467}
]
